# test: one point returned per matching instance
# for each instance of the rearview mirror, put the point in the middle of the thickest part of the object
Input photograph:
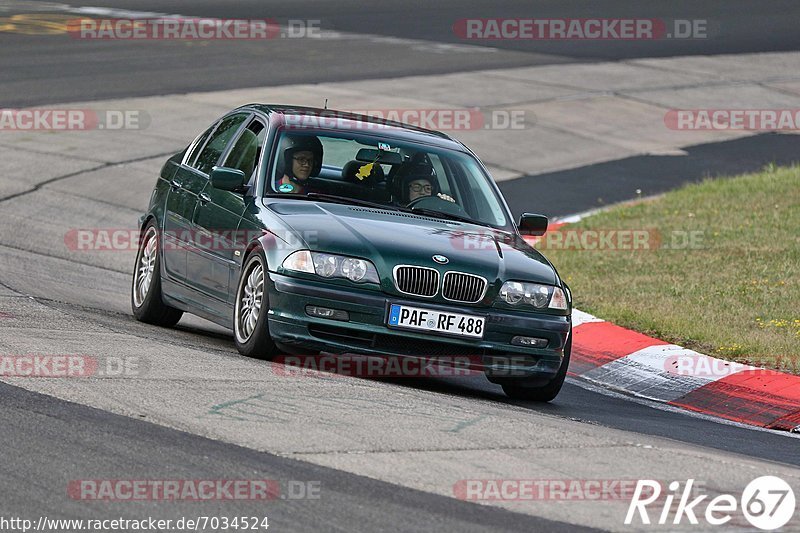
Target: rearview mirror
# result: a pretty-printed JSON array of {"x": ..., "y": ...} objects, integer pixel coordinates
[
  {"x": 369, "y": 155},
  {"x": 530, "y": 224},
  {"x": 227, "y": 179}
]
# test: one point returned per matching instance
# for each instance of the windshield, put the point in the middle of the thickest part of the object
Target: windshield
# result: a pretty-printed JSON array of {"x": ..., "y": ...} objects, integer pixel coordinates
[{"x": 366, "y": 169}]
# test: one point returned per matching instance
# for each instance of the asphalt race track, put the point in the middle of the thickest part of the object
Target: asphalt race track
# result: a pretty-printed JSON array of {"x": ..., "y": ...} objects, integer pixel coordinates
[
  {"x": 386, "y": 454},
  {"x": 383, "y": 39}
]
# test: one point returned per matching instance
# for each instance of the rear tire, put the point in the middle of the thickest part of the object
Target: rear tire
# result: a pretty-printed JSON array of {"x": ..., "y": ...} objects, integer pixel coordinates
[
  {"x": 518, "y": 390},
  {"x": 250, "y": 325},
  {"x": 147, "y": 302}
]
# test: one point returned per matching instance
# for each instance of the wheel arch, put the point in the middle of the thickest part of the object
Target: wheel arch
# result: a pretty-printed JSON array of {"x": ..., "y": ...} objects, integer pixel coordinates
[{"x": 275, "y": 250}]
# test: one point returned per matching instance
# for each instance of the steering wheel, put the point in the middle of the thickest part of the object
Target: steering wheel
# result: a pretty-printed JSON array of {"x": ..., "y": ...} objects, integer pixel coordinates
[
  {"x": 416, "y": 201},
  {"x": 437, "y": 204}
]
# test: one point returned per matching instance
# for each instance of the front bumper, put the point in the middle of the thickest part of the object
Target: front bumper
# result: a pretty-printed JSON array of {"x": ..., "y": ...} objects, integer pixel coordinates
[{"x": 366, "y": 331}]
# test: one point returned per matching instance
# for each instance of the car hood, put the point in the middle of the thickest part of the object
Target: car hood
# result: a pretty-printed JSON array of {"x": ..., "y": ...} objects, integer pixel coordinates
[{"x": 389, "y": 238}]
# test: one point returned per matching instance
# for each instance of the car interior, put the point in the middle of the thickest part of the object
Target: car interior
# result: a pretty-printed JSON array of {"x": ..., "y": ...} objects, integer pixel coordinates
[
  {"x": 368, "y": 176},
  {"x": 368, "y": 170}
]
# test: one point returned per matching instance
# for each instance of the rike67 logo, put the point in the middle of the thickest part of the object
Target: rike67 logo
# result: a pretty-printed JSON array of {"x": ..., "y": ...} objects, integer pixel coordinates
[{"x": 767, "y": 503}]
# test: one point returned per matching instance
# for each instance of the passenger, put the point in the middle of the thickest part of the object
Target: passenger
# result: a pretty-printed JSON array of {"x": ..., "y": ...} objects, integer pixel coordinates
[{"x": 302, "y": 159}]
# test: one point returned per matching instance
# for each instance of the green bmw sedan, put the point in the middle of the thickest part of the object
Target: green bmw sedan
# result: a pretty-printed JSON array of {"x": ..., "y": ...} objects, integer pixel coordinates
[{"x": 310, "y": 231}]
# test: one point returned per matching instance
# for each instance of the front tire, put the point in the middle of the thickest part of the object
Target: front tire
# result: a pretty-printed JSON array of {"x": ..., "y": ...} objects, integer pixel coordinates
[
  {"x": 250, "y": 327},
  {"x": 147, "y": 303},
  {"x": 517, "y": 389}
]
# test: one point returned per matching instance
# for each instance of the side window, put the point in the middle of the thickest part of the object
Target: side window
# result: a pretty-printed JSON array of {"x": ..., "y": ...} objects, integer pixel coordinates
[
  {"x": 218, "y": 142},
  {"x": 246, "y": 150},
  {"x": 197, "y": 146}
]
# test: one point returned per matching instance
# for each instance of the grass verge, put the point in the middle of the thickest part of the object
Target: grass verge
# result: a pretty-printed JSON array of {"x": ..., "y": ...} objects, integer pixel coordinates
[{"x": 713, "y": 266}]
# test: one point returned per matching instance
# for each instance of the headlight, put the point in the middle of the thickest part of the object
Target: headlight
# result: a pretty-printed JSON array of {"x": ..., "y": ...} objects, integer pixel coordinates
[
  {"x": 325, "y": 264},
  {"x": 533, "y": 294},
  {"x": 512, "y": 292},
  {"x": 536, "y": 295},
  {"x": 332, "y": 266},
  {"x": 354, "y": 269}
]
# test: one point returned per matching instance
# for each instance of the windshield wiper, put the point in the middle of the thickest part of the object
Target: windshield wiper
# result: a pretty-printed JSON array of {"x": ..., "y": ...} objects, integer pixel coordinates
[{"x": 441, "y": 214}]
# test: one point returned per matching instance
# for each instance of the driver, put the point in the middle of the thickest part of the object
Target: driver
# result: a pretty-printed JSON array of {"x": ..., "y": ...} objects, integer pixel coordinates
[
  {"x": 302, "y": 158},
  {"x": 418, "y": 182}
]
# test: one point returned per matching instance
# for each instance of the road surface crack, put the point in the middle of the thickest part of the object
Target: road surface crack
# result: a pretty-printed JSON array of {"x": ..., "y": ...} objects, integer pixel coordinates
[{"x": 38, "y": 186}]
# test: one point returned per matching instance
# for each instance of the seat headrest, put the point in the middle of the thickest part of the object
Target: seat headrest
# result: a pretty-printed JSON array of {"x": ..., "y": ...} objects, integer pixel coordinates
[{"x": 368, "y": 174}]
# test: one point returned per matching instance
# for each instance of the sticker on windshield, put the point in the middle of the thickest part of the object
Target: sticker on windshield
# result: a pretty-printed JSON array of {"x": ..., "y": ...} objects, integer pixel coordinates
[
  {"x": 286, "y": 187},
  {"x": 385, "y": 147}
]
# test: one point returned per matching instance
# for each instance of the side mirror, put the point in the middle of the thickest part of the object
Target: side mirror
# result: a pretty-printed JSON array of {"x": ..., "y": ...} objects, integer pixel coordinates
[
  {"x": 227, "y": 179},
  {"x": 530, "y": 224}
]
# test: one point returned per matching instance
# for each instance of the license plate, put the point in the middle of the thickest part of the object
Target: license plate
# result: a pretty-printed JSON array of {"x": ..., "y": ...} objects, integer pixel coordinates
[{"x": 404, "y": 316}]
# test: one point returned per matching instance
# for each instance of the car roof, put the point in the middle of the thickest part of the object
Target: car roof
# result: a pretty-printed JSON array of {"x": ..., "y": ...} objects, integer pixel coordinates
[{"x": 347, "y": 122}]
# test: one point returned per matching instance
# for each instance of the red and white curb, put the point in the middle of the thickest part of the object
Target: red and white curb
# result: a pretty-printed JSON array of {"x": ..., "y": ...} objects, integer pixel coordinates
[{"x": 624, "y": 360}]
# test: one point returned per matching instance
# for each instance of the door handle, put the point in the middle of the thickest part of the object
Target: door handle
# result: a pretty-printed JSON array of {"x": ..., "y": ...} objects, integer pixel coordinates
[
  {"x": 176, "y": 185},
  {"x": 204, "y": 198}
]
